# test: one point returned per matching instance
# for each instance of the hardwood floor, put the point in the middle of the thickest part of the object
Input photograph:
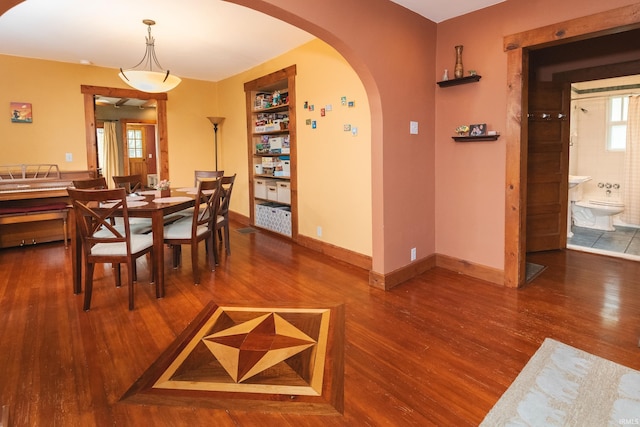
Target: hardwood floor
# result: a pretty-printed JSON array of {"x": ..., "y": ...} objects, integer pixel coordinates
[{"x": 437, "y": 350}]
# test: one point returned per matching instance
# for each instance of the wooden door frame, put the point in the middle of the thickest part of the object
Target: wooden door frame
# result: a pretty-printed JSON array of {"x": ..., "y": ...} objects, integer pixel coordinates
[
  {"x": 517, "y": 47},
  {"x": 161, "y": 122}
]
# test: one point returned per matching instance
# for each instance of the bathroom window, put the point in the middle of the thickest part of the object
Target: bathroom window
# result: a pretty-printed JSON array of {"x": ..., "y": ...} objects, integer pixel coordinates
[{"x": 617, "y": 123}]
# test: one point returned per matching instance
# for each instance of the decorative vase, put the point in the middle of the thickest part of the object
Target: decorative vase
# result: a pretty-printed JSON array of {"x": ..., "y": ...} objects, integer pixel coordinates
[
  {"x": 165, "y": 192},
  {"x": 458, "y": 71}
]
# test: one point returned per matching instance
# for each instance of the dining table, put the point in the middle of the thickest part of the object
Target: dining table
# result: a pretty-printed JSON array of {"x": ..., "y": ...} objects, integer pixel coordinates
[{"x": 145, "y": 204}]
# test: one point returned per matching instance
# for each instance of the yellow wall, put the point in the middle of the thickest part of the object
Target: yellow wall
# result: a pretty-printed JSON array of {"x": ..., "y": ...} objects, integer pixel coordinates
[
  {"x": 334, "y": 167},
  {"x": 53, "y": 89}
]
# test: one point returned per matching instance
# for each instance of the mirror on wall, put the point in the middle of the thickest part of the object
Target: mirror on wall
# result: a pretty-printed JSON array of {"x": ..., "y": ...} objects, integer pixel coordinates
[
  {"x": 138, "y": 117},
  {"x": 133, "y": 123}
]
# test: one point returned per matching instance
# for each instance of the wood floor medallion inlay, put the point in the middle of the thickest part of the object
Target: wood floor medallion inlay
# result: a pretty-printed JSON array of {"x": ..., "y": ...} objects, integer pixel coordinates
[{"x": 286, "y": 359}]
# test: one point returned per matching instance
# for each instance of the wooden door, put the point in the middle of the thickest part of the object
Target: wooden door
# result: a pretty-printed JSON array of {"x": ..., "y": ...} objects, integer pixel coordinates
[
  {"x": 547, "y": 166},
  {"x": 136, "y": 149}
]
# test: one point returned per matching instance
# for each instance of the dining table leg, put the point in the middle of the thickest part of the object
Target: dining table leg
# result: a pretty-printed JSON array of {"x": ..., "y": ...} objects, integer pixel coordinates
[{"x": 157, "y": 225}]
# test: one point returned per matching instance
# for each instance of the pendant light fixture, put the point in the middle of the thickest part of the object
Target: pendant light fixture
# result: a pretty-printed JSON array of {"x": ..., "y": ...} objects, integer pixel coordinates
[{"x": 147, "y": 75}]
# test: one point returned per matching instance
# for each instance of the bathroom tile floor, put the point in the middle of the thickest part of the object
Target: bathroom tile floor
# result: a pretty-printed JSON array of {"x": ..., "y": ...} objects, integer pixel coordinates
[{"x": 624, "y": 240}]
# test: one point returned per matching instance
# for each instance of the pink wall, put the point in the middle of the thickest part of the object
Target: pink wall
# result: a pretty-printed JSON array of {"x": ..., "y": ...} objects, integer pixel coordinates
[
  {"x": 470, "y": 177},
  {"x": 423, "y": 183},
  {"x": 392, "y": 50}
]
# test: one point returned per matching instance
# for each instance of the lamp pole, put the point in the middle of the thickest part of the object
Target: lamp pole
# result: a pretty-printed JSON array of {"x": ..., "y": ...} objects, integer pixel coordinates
[{"x": 215, "y": 121}]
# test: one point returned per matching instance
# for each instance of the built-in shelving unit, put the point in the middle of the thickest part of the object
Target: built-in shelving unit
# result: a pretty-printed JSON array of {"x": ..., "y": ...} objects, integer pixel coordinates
[
  {"x": 460, "y": 81},
  {"x": 271, "y": 139}
]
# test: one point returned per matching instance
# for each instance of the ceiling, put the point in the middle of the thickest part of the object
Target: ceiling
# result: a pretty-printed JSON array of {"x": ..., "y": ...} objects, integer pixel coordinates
[
  {"x": 205, "y": 40},
  {"x": 125, "y": 102}
]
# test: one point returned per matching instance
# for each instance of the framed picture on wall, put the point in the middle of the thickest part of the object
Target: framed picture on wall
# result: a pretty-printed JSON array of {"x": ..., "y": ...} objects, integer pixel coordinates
[
  {"x": 478, "y": 129},
  {"x": 21, "y": 112}
]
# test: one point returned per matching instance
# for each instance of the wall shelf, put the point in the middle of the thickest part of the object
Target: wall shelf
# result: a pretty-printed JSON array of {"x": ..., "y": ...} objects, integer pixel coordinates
[
  {"x": 475, "y": 138},
  {"x": 460, "y": 81}
]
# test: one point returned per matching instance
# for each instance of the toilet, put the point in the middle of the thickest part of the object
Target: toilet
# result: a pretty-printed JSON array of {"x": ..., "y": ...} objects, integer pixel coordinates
[{"x": 596, "y": 214}]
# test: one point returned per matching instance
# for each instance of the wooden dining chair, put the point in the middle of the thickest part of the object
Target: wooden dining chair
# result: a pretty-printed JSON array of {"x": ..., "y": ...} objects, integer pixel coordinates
[
  {"x": 131, "y": 183},
  {"x": 103, "y": 242},
  {"x": 222, "y": 219},
  {"x": 201, "y": 226},
  {"x": 99, "y": 183},
  {"x": 200, "y": 175}
]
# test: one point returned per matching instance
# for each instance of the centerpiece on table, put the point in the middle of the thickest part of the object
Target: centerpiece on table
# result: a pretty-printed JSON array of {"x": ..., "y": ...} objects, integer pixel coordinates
[{"x": 164, "y": 187}]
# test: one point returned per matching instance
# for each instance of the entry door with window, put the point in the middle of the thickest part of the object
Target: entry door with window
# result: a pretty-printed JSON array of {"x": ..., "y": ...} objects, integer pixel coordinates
[{"x": 136, "y": 151}]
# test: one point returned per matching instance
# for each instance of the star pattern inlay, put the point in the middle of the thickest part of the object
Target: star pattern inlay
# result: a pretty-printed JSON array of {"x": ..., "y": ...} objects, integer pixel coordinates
[{"x": 251, "y": 347}]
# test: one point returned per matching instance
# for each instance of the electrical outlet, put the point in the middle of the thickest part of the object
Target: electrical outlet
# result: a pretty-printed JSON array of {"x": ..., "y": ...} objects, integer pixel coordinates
[
  {"x": 413, "y": 254},
  {"x": 68, "y": 157},
  {"x": 319, "y": 231}
]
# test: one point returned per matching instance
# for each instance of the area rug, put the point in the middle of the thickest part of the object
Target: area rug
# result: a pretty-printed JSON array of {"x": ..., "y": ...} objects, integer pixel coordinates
[
  {"x": 564, "y": 386},
  {"x": 285, "y": 359},
  {"x": 533, "y": 270}
]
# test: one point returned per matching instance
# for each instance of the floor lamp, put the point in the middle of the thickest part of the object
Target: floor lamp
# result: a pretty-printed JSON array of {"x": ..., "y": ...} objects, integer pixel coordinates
[{"x": 215, "y": 121}]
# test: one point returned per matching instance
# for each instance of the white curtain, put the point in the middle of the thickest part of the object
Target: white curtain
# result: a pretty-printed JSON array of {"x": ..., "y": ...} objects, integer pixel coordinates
[
  {"x": 110, "y": 167},
  {"x": 631, "y": 183}
]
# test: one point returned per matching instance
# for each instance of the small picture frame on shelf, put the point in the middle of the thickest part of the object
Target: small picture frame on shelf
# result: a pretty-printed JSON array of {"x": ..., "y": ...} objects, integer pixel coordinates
[{"x": 479, "y": 129}]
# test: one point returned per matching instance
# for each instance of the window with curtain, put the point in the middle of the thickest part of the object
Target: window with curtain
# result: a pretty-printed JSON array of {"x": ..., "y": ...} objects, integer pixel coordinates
[
  {"x": 617, "y": 123},
  {"x": 100, "y": 146}
]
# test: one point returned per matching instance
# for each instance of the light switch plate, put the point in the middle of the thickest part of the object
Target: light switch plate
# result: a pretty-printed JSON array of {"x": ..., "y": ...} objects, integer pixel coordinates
[{"x": 413, "y": 128}]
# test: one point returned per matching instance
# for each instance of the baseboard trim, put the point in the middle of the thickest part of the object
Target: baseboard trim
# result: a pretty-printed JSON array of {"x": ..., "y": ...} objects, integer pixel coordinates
[
  {"x": 478, "y": 271},
  {"x": 390, "y": 280},
  {"x": 350, "y": 257},
  {"x": 242, "y": 219},
  {"x": 395, "y": 278},
  {"x": 401, "y": 275}
]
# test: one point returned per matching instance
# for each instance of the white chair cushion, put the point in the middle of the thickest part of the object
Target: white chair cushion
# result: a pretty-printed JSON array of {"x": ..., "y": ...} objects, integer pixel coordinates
[
  {"x": 134, "y": 228},
  {"x": 219, "y": 219},
  {"x": 105, "y": 232},
  {"x": 181, "y": 229},
  {"x": 189, "y": 211},
  {"x": 146, "y": 221},
  {"x": 136, "y": 225},
  {"x": 138, "y": 243}
]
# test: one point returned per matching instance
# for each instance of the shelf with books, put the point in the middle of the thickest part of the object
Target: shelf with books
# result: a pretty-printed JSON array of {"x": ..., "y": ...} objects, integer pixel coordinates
[{"x": 271, "y": 139}]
